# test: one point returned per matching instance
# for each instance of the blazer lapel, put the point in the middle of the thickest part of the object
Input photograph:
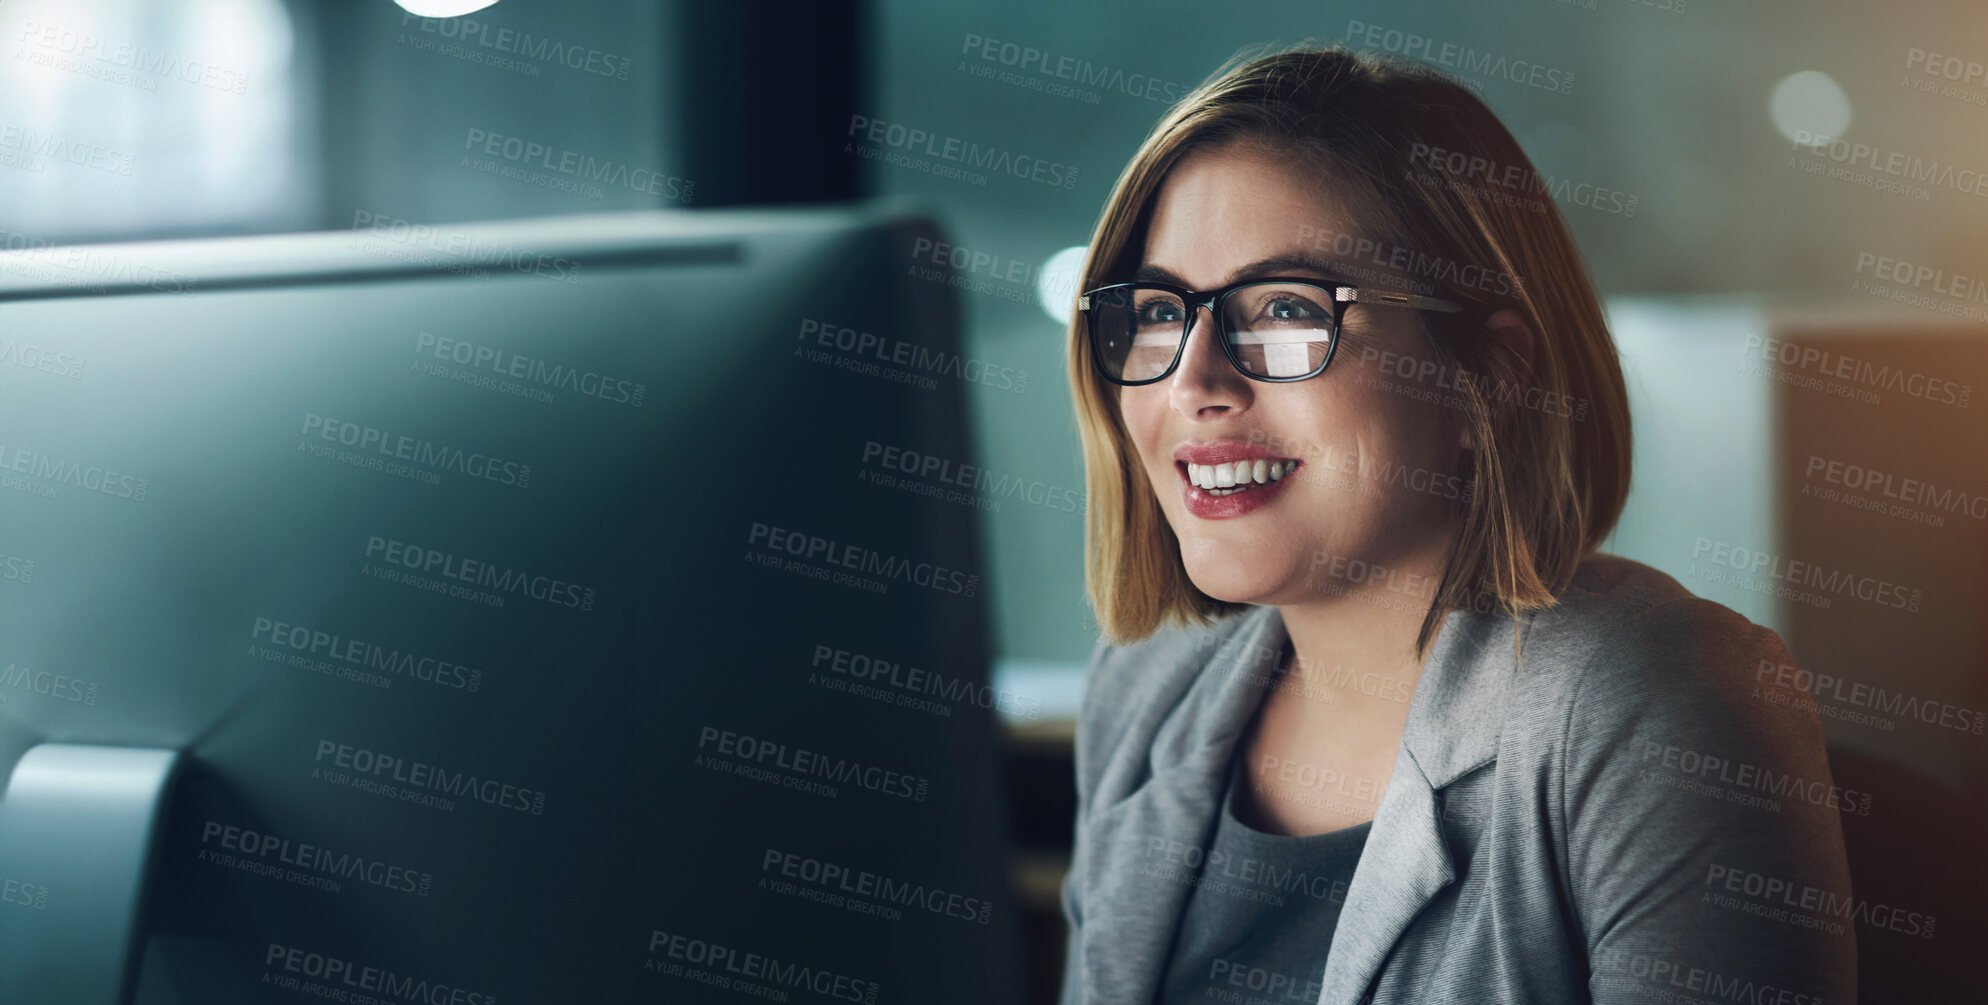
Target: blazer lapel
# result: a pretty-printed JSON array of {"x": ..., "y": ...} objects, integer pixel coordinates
[
  {"x": 1405, "y": 864},
  {"x": 1454, "y": 720},
  {"x": 1154, "y": 838}
]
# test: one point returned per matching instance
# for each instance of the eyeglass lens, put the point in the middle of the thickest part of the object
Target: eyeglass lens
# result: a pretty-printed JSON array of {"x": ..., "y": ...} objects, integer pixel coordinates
[{"x": 1275, "y": 329}]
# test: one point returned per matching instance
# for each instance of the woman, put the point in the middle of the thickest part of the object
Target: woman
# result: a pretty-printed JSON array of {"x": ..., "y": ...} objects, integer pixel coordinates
[{"x": 1372, "y": 718}]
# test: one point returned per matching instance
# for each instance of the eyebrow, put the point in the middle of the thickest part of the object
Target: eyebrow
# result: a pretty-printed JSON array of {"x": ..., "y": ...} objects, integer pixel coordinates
[{"x": 1297, "y": 261}]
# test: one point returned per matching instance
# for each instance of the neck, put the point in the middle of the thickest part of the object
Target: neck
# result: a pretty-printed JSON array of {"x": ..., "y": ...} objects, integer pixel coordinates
[{"x": 1356, "y": 642}]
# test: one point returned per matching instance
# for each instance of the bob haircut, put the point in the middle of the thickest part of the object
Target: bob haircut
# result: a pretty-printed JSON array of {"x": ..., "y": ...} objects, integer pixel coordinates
[{"x": 1439, "y": 174}]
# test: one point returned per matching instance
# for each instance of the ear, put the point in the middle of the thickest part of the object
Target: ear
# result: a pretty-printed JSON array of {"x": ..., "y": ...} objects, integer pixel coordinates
[{"x": 1509, "y": 327}]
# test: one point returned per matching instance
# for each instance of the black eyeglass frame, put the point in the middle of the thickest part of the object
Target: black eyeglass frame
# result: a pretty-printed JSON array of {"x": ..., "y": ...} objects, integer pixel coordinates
[{"x": 1340, "y": 294}]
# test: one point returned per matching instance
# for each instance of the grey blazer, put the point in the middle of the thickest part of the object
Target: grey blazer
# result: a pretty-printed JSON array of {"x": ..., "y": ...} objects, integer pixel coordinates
[{"x": 1632, "y": 811}]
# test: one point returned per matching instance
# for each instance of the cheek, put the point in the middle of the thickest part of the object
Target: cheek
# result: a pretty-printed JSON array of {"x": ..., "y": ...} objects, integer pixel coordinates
[
  {"x": 1388, "y": 389},
  {"x": 1141, "y": 413},
  {"x": 1359, "y": 433}
]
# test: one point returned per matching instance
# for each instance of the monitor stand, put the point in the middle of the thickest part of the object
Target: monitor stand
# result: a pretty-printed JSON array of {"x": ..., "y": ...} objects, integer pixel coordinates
[{"x": 79, "y": 827}]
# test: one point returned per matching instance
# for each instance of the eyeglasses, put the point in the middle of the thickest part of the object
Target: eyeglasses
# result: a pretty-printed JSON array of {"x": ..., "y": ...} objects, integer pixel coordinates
[{"x": 1273, "y": 329}]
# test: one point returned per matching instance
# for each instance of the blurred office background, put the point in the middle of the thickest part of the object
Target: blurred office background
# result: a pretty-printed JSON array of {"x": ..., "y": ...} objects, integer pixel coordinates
[{"x": 1709, "y": 219}]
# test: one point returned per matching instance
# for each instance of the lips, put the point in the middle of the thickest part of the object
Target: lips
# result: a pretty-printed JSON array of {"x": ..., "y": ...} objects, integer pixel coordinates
[
  {"x": 1223, "y": 452},
  {"x": 1229, "y": 478}
]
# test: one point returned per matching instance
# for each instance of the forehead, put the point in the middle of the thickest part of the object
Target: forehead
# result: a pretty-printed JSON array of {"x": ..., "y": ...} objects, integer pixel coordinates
[{"x": 1220, "y": 208}]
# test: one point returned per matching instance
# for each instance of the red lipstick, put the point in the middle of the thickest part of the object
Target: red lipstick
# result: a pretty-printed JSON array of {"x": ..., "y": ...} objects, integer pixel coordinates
[{"x": 1224, "y": 479}]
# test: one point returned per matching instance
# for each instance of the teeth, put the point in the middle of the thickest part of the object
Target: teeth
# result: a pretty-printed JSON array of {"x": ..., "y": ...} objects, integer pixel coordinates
[{"x": 1238, "y": 475}]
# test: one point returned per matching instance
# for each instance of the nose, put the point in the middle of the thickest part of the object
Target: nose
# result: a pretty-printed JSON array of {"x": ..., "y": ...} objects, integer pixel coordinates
[{"x": 1206, "y": 383}]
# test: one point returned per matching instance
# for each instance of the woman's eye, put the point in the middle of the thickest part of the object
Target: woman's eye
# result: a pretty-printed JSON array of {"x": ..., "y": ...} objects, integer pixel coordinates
[{"x": 1289, "y": 310}]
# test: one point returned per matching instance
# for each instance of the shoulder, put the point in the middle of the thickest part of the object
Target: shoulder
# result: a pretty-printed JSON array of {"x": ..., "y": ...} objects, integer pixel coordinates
[
  {"x": 1161, "y": 664},
  {"x": 1630, "y": 672},
  {"x": 1132, "y": 687},
  {"x": 1667, "y": 751},
  {"x": 1625, "y": 633},
  {"x": 1633, "y": 686}
]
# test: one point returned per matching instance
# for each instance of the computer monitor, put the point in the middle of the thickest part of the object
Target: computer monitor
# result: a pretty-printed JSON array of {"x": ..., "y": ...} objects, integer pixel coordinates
[{"x": 570, "y": 610}]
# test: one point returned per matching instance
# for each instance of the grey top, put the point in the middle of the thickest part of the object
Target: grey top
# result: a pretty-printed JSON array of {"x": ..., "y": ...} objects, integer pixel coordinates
[
  {"x": 1261, "y": 912},
  {"x": 1626, "y": 811}
]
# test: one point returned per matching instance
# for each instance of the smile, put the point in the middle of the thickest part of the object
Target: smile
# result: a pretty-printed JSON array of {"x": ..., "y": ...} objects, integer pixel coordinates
[
  {"x": 1239, "y": 476},
  {"x": 1233, "y": 489}
]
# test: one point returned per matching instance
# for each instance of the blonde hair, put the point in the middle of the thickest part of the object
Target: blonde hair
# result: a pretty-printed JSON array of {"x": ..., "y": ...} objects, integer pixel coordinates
[{"x": 1546, "y": 487}]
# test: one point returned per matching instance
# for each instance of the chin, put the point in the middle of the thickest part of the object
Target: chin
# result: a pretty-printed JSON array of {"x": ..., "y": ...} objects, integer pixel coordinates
[{"x": 1228, "y": 581}]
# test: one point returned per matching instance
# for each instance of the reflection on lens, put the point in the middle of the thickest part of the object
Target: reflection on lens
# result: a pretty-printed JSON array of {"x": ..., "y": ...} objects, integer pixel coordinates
[
  {"x": 1138, "y": 331},
  {"x": 1279, "y": 329}
]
